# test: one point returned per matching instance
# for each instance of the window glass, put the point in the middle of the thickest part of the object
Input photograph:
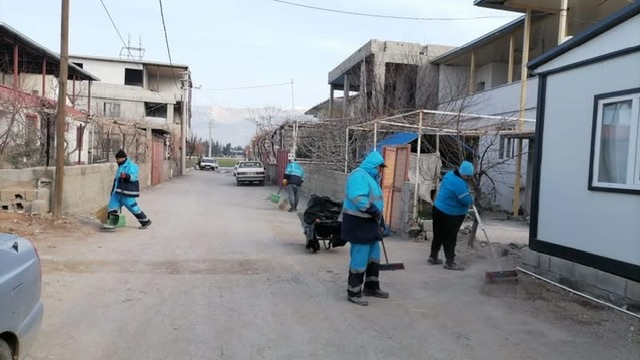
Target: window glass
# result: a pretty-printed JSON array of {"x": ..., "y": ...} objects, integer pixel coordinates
[{"x": 615, "y": 136}]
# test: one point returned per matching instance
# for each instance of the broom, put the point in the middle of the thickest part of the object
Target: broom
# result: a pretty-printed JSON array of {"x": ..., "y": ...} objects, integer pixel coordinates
[
  {"x": 389, "y": 266},
  {"x": 275, "y": 198},
  {"x": 102, "y": 214},
  {"x": 510, "y": 274}
]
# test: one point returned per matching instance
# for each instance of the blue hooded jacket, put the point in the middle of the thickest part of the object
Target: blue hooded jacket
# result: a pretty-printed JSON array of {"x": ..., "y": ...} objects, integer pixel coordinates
[
  {"x": 129, "y": 185},
  {"x": 294, "y": 174},
  {"x": 363, "y": 204},
  {"x": 453, "y": 197}
]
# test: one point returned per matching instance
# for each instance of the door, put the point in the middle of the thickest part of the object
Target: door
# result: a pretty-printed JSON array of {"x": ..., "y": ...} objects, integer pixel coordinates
[
  {"x": 393, "y": 178},
  {"x": 157, "y": 160}
]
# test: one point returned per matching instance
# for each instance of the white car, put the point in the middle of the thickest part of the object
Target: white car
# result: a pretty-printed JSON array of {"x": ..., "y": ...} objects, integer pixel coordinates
[
  {"x": 21, "y": 309},
  {"x": 235, "y": 168},
  {"x": 250, "y": 171}
]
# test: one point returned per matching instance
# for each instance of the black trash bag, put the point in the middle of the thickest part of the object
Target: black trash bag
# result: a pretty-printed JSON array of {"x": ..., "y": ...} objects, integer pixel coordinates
[{"x": 322, "y": 208}]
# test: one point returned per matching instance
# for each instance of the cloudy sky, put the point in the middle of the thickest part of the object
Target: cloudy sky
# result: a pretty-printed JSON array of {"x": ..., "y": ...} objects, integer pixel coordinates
[{"x": 243, "y": 43}]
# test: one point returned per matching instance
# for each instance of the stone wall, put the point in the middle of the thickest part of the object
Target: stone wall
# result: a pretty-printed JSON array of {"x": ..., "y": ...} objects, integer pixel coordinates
[
  {"x": 86, "y": 187},
  {"x": 332, "y": 184},
  {"x": 324, "y": 183},
  {"x": 614, "y": 289}
]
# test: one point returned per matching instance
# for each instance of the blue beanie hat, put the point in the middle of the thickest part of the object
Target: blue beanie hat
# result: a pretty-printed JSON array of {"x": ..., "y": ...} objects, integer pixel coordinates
[{"x": 466, "y": 168}]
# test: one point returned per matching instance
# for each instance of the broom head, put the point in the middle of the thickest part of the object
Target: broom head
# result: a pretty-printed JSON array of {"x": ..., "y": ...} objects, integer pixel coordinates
[
  {"x": 283, "y": 203},
  {"x": 102, "y": 214},
  {"x": 391, "y": 266},
  {"x": 502, "y": 275}
]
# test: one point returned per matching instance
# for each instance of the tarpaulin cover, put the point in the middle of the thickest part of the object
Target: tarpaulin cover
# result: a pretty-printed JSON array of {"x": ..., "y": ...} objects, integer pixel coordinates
[{"x": 323, "y": 208}]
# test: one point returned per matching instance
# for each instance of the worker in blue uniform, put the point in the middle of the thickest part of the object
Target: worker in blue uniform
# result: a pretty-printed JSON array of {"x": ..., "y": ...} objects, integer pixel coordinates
[
  {"x": 449, "y": 210},
  {"x": 125, "y": 190},
  {"x": 363, "y": 227},
  {"x": 293, "y": 179}
]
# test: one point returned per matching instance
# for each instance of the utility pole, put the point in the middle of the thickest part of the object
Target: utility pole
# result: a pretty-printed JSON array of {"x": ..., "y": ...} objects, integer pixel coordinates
[
  {"x": 295, "y": 125},
  {"x": 210, "y": 139},
  {"x": 186, "y": 85},
  {"x": 61, "y": 111}
]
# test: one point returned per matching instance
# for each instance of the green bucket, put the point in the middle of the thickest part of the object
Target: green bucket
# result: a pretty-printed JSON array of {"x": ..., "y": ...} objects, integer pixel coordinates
[{"x": 116, "y": 220}]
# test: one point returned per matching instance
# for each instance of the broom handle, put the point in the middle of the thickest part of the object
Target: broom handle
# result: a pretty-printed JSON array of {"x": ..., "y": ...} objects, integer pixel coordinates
[
  {"x": 384, "y": 249},
  {"x": 493, "y": 252}
]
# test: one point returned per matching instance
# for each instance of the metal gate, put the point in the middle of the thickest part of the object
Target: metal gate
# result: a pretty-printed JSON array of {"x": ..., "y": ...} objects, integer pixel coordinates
[
  {"x": 282, "y": 161},
  {"x": 157, "y": 160},
  {"x": 393, "y": 179}
]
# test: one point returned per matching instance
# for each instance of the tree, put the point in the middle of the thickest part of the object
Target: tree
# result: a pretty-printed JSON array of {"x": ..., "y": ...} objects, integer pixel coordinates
[
  {"x": 266, "y": 121},
  {"x": 226, "y": 151}
]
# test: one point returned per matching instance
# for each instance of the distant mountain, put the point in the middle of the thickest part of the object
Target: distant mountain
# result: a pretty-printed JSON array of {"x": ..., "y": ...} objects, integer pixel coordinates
[{"x": 230, "y": 125}]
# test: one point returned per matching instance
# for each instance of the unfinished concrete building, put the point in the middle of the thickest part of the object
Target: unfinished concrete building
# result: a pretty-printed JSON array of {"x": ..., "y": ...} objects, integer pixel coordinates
[{"x": 393, "y": 77}]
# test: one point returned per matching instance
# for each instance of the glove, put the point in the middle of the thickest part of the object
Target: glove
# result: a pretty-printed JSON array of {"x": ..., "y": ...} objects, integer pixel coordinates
[{"x": 374, "y": 212}]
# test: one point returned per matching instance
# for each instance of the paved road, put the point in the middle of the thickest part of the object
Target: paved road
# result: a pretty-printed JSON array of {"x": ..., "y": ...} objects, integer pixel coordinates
[{"x": 222, "y": 274}]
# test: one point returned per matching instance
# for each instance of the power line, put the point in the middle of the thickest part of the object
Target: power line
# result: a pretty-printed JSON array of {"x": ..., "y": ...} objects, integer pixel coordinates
[
  {"x": 166, "y": 39},
  {"x": 390, "y": 16},
  {"x": 115, "y": 27},
  {"x": 249, "y": 87}
]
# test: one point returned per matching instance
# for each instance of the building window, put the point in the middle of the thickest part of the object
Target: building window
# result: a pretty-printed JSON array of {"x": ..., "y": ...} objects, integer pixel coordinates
[
  {"x": 615, "y": 159},
  {"x": 156, "y": 110},
  {"x": 111, "y": 110},
  {"x": 506, "y": 148},
  {"x": 133, "y": 77}
]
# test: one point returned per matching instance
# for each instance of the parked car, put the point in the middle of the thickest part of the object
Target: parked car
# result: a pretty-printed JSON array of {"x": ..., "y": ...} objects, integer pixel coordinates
[
  {"x": 208, "y": 163},
  {"x": 21, "y": 308},
  {"x": 250, "y": 171}
]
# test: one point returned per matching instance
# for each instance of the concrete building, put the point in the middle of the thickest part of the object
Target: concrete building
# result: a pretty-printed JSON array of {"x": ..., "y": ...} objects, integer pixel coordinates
[
  {"x": 151, "y": 96},
  {"x": 394, "y": 76},
  {"x": 584, "y": 222},
  {"x": 484, "y": 77},
  {"x": 29, "y": 99}
]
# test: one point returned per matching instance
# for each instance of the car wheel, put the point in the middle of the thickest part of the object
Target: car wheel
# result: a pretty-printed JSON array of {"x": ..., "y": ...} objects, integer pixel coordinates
[
  {"x": 5, "y": 351},
  {"x": 262, "y": 183},
  {"x": 238, "y": 183}
]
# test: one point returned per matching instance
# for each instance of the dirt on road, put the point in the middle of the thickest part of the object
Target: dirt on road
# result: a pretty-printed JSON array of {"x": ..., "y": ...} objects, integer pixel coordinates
[{"x": 223, "y": 274}]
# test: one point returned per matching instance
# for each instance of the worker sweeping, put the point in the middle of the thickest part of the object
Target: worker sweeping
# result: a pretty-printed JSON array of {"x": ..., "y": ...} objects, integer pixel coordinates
[
  {"x": 363, "y": 227},
  {"x": 293, "y": 179},
  {"x": 449, "y": 210},
  {"x": 125, "y": 190}
]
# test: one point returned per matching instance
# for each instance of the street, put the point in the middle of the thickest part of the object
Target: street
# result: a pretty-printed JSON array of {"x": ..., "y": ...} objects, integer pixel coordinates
[{"x": 223, "y": 274}]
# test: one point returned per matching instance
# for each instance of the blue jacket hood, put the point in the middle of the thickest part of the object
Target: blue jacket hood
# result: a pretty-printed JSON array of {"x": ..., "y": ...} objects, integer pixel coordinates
[{"x": 371, "y": 162}]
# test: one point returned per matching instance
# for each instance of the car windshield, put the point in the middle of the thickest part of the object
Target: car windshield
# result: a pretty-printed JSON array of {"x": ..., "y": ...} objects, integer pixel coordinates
[
  {"x": 250, "y": 165},
  {"x": 207, "y": 161}
]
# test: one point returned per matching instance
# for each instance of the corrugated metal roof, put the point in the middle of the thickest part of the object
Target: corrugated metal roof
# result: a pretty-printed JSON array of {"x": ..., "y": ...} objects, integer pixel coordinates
[
  {"x": 401, "y": 138},
  {"x": 43, "y": 51}
]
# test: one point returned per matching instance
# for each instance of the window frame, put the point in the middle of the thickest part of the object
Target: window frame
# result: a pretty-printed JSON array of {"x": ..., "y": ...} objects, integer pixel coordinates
[{"x": 632, "y": 185}]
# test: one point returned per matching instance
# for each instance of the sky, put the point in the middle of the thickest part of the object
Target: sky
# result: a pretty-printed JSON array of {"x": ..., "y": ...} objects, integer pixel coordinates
[{"x": 244, "y": 43}]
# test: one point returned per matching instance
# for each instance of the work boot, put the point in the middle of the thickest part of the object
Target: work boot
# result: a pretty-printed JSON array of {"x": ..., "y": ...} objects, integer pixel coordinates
[
  {"x": 376, "y": 293},
  {"x": 434, "y": 261},
  {"x": 292, "y": 210},
  {"x": 452, "y": 265},
  {"x": 358, "y": 300},
  {"x": 145, "y": 225}
]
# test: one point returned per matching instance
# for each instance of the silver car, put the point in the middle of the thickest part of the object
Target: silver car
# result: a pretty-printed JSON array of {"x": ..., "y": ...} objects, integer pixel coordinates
[{"x": 21, "y": 308}]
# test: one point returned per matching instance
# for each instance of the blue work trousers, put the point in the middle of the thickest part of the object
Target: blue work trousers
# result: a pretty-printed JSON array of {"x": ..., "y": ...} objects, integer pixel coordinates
[
  {"x": 364, "y": 268},
  {"x": 117, "y": 201}
]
